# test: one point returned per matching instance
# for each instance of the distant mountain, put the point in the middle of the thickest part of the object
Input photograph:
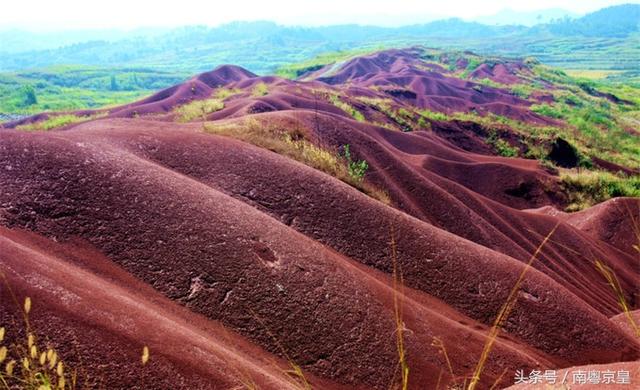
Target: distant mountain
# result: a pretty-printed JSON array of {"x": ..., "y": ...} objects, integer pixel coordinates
[
  {"x": 264, "y": 46},
  {"x": 525, "y": 18},
  {"x": 17, "y": 41},
  {"x": 616, "y": 21},
  {"x": 260, "y": 46}
]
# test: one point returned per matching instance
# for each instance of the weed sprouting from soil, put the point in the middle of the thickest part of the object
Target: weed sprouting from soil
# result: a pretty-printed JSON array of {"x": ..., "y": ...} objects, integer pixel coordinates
[
  {"x": 295, "y": 372},
  {"x": 31, "y": 365},
  {"x": 398, "y": 284},
  {"x": 613, "y": 282},
  {"x": 356, "y": 169},
  {"x": 504, "y": 313}
]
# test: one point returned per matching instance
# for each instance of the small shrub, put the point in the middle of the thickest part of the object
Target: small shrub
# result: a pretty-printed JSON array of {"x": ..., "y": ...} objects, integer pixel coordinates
[
  {"x": 501, "y": 146},
  {"x": 505, "y": 149},
  {"x": 28, "y": 96},
  {"x": 423, "y": 124},
  {"x": 198, "y": 109},
  {"x": 357, "y": 169},
  {"x": 224, "y": 93},
  {"x": 346, "y": 107},
  {"x": 260, "y": 89}
]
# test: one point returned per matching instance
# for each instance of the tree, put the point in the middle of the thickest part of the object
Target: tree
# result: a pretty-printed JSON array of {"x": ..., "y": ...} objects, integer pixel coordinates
[
  {"x": 114, "y": 83},
  {"x": 28, "y": 95}
]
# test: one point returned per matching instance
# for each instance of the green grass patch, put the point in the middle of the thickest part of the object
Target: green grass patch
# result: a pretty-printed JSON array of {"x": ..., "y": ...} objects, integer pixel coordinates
[
  {"x": 68, "y": 88},
  {"x": 402, "y": 117},
  {"x": 346, "y": 107},
  {"x": 501, "y": 146},
  {"x": 435, "y": 115},
  {"x": 587, "y": 188},
  {"x": 472, "y": 64}
]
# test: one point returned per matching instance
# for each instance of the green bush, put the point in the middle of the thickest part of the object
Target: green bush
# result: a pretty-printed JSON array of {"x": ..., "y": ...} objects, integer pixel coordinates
[
  {"x": 501, "y": 146},
  {"x": 356, "y": 169},
  {"x": 587, "y": 188},
  {"x": 28, "y": 96}
]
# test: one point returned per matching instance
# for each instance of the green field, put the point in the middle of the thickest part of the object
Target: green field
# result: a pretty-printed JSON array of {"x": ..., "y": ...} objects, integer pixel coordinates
[
  {"x": 602, "y": 45},
  {"x": 63, "y": 88}
]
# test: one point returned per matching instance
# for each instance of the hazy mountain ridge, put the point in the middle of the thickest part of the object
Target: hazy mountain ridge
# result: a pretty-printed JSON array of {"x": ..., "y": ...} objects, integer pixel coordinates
[
  {"x": 525, "y": 18},
  {"x": 263, "y": 46}
]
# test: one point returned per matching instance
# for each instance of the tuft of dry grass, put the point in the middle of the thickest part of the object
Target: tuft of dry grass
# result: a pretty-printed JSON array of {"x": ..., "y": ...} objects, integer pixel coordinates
[
  {"x": 223, "y": 93},
  {"x": 398, "y": 284},
  {"x": 260, "y": 89},
  {"x": 346, "y": 107},
  {"x": 29, "y": 365},
  {"x": 439, "y": 344},
  {"x": 57, "y": 121},
  {"x": 504, "y": 313},
  {"x": 33, "y": 365},
  {"x": 145, "y": 355},
  {"x": 613, "y": 282},
  {"x": 295, "y": 373},
  {"x": 198, "y": 109},
  {"x": 496, "y": 383},
  {"x": 291, "y": 143},
  {"x": 402, "y": 117}
]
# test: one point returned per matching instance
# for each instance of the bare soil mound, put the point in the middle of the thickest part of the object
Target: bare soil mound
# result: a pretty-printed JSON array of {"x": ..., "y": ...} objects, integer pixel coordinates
[
  {"x": 433, "y": 89},
  {"x": 256, "y": 246},
  {"x": 246, "y": 261},
  {"x": 616, "y": 221},
  {"x": 98, "y": 317}
]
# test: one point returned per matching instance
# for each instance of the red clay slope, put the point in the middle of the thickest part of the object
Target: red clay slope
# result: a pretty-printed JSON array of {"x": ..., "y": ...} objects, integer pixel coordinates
[
  {"x": 416, "y": 170},
  {"x": 616, "y": 222},
  {"x": 430, "y": 88},
  {"x": 297, "y": 262},
  {"x": 98, "y": 318},
  {"x": 189, "y": 214}
]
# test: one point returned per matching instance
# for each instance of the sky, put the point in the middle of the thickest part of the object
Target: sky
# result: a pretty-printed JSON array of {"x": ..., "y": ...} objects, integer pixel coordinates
[{"x": 49, "y": 15}]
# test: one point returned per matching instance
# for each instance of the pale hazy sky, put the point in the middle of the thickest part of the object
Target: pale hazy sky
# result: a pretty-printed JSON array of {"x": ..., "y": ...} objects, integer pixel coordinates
[{"x": 127, "y": 14}]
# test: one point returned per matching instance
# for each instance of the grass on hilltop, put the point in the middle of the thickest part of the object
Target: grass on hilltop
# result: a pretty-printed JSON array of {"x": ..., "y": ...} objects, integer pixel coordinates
[
  {"x": 57, "y": 121},
  {"x": 587, "y": 188},
  {"x": 346, "y": 107},
  {"x": 198, "y": 109},
  {"x": 260, "y": 89},
  {"x": 291, "y": 143}
]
